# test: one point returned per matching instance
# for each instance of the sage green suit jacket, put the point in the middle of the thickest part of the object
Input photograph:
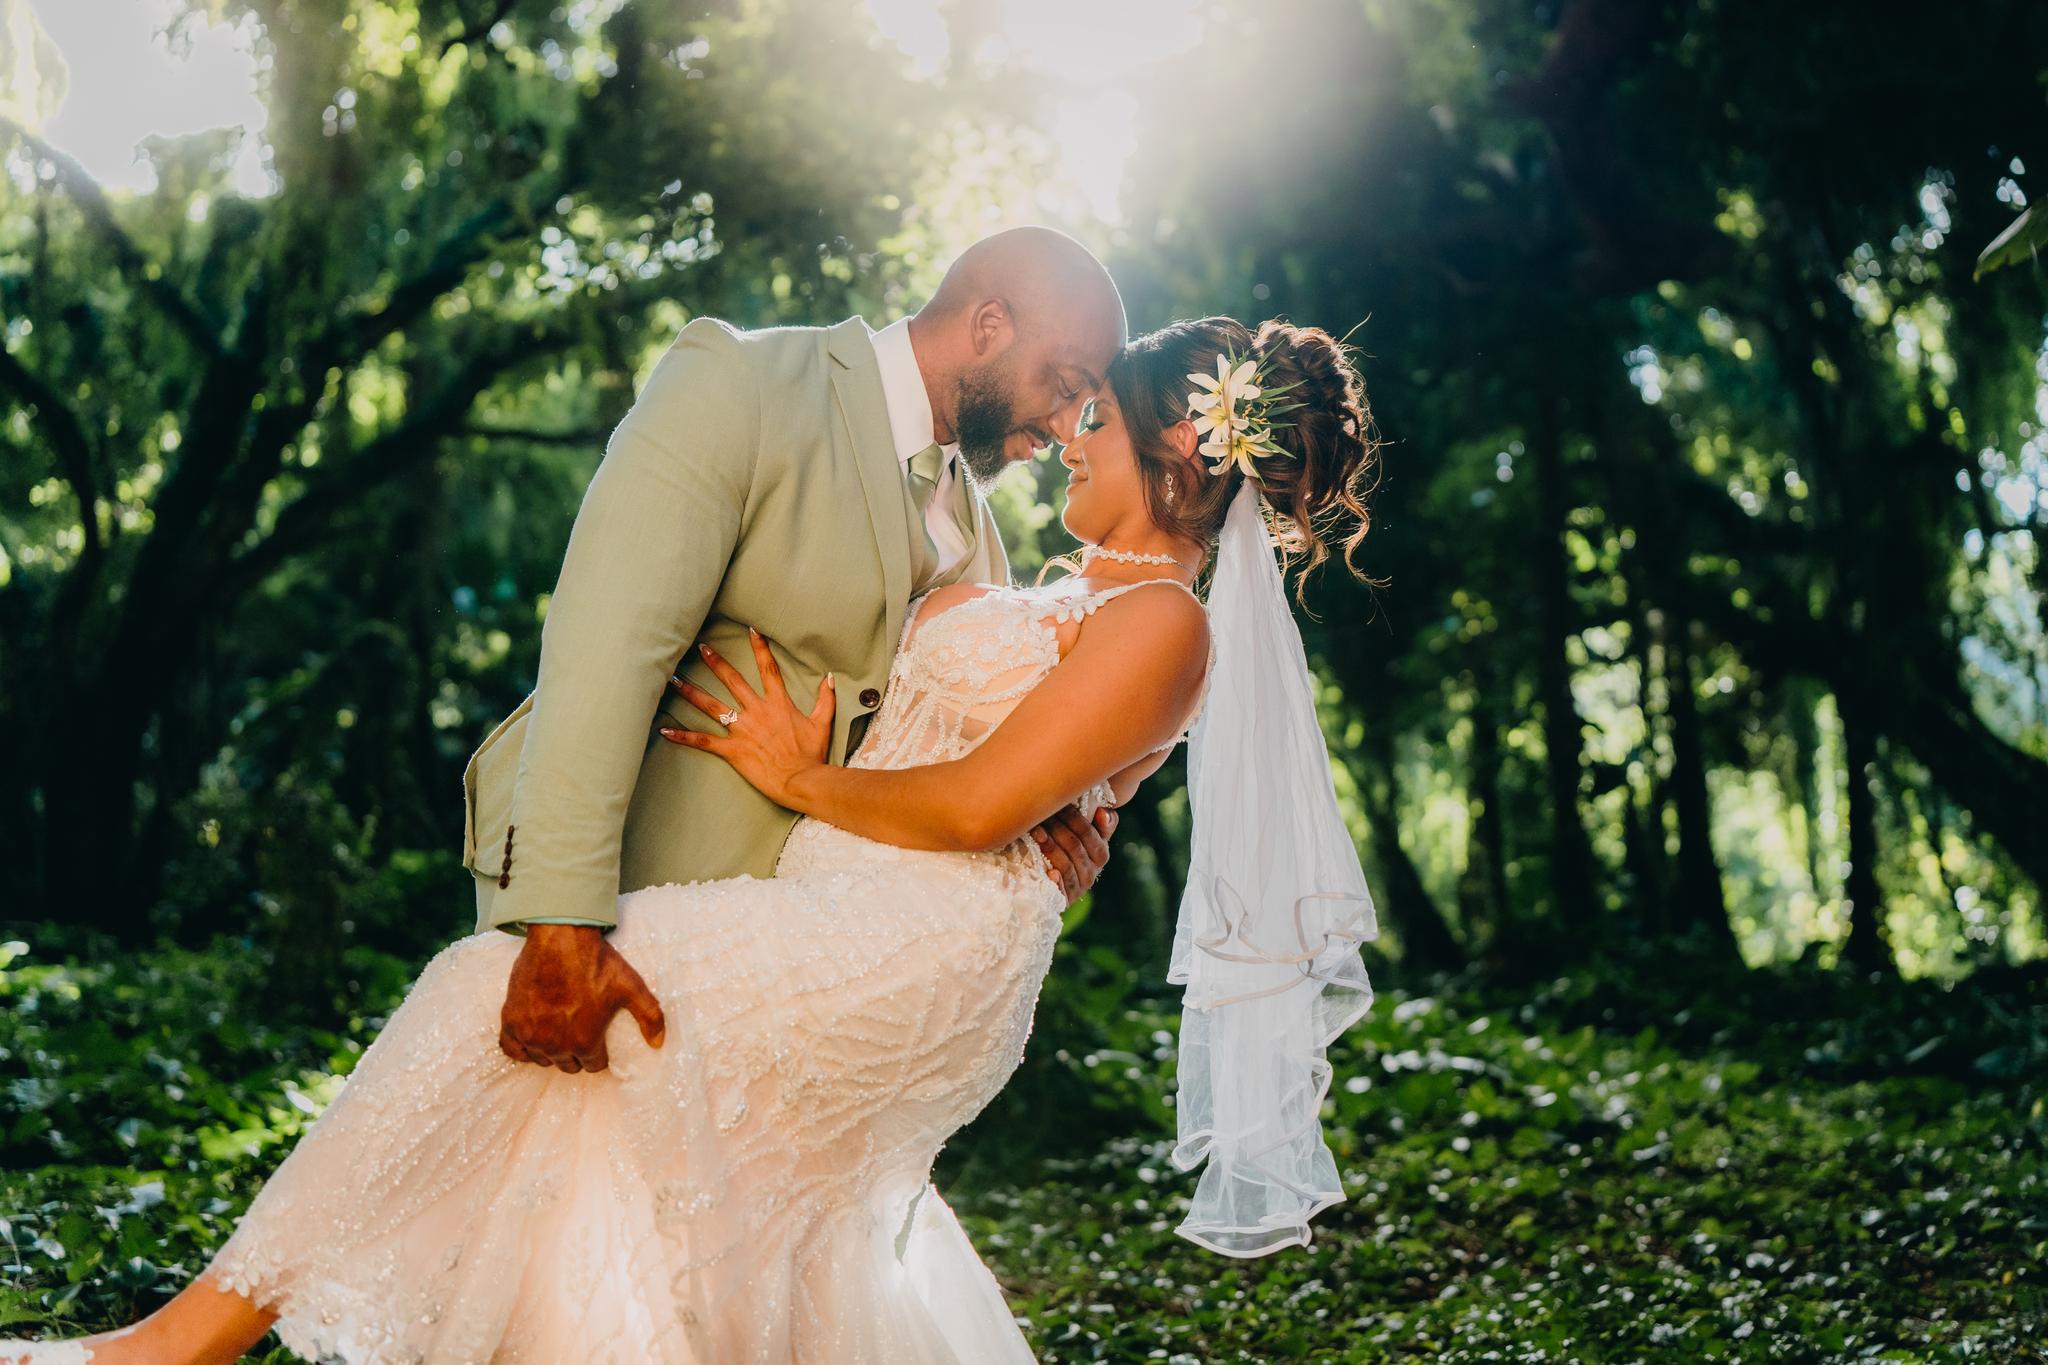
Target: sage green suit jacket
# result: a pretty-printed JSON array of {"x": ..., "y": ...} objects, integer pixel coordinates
[{"x": 754, "y": 482}]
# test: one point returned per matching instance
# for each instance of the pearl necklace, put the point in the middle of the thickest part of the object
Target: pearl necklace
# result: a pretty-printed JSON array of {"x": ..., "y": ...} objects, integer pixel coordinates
[{"x": 1128, "y": 556}]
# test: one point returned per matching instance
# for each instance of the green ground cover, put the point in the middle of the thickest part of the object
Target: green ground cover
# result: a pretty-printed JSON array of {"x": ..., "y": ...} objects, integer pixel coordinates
[{"x": 1642, "y": 1163}]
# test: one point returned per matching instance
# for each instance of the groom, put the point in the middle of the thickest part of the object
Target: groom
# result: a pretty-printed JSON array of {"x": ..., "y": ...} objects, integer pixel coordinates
[{"x": 804, "y": 481}]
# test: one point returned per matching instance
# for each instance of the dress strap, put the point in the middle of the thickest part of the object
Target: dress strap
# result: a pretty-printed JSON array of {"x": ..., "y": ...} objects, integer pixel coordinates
[{"x": 1080, "y": 608}]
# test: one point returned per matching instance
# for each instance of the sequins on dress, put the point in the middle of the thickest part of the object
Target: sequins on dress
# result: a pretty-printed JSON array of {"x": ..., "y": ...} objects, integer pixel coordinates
[{"x": 758, "y": 1188}]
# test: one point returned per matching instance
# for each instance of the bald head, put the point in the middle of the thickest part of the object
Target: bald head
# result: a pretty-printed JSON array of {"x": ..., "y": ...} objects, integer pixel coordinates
[
  {"x": 1049, "y": 280},
  {"x": 1022, "y": 328}
]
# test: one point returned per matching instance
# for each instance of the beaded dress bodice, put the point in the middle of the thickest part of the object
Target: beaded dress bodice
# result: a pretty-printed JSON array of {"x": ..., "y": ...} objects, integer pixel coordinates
[{"x": 958, "y": 672}]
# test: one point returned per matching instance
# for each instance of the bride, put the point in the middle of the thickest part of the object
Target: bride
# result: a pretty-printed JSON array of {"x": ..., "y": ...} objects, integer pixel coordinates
[{"x": 754, "y": 1185}]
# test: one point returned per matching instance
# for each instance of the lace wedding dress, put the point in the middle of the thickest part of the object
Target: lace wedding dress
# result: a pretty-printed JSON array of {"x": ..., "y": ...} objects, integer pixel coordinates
[{"x": 758, "y": 1188}]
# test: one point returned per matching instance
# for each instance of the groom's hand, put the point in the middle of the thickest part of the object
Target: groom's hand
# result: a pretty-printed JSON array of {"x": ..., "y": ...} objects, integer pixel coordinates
[
  {"x": 1075, "y": 848},
  {"x": 567, "y": 983}
]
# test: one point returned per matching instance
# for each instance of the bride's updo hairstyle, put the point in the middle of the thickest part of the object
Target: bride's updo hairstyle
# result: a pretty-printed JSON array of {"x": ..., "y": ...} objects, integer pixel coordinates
[{"x": 1312, "y": 491}]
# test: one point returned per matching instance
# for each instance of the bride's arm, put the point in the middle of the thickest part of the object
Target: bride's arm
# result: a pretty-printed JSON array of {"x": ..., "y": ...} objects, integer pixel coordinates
[{"x": 1123, "y": 691}]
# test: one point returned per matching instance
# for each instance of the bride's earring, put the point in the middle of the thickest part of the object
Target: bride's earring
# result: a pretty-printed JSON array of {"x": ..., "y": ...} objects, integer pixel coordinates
[{"x": 1169, "y": 490}]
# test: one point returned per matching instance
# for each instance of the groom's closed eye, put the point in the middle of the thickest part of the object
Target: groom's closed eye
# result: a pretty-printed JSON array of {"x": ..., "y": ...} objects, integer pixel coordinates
[{"x": 1067, "y": 388}]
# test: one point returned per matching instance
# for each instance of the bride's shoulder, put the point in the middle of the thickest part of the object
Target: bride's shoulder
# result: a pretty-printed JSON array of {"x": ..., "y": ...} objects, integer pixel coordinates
[
  {"x": 1159, "y": 615},
  {"x": 1171, "y": 604}
]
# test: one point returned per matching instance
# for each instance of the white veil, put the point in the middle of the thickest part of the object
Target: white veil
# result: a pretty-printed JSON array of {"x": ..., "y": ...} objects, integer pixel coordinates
[{"x": 1268, "y": 933}]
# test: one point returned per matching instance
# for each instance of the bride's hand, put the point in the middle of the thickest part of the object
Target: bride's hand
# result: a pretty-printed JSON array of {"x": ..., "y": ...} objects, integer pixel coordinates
[{"x": 768, "y": 740}]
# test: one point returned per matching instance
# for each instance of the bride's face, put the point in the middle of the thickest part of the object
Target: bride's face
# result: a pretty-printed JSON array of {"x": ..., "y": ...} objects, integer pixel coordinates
[{"x": 1105, "y": 491}]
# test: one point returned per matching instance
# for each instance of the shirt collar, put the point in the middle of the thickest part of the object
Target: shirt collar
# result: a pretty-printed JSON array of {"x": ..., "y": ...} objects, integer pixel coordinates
[{"x": 903, "y": 392}]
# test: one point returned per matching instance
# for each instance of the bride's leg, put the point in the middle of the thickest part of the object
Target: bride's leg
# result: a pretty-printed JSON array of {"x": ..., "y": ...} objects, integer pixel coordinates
[{"x": 202, "y": 1325}]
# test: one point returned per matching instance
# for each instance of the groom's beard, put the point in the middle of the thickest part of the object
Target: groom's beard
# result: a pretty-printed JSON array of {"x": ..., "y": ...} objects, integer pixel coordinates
[{"x": 983, "y": 422}]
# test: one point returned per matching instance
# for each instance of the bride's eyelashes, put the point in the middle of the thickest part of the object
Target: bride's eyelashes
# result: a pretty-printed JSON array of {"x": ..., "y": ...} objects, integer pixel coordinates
[{"x": 1089, "y": 421}]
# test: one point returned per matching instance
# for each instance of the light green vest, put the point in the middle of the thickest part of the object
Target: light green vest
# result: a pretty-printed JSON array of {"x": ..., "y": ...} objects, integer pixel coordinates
[{"x": 754, "y": 482}]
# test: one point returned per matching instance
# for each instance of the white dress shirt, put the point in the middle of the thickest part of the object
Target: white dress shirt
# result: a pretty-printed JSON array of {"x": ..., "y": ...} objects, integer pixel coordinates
[{"x": 911, "y": 424}]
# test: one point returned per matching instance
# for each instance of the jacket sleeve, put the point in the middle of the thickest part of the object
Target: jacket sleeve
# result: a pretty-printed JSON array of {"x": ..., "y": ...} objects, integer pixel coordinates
[{"x": 646, "y": 554}]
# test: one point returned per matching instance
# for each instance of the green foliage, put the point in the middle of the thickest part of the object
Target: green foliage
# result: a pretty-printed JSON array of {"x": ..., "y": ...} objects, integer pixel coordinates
[
  {"x": 1703, "y": 454},
  {"x": 1644, "y": 1161},
  {"x": 147, "y": 1093},
  {"x": 2022, "y": 240},
  {"x": 259, "y": 443},
  {"x": 1650, "y": 1160},
  {"x": 1692, "y": 426}
]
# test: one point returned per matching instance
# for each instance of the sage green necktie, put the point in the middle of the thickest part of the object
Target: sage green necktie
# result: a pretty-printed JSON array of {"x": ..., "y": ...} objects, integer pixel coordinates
[
  {"x": 925, "y": 467},
  {"x": 923, "y": 478}
]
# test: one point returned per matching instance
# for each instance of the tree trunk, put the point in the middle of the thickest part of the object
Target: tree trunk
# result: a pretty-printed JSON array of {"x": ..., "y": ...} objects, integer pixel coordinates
[
  {"x": 1868, "y": 947},
  {"x": 1804, "y": 778},
  {"x": 88, "y": 758},
  {"x": 1698, "y": 900},
  {"x": 1648, "y": 865},
  {"x": 1488, "y": 863},
  {"x": 1403, "y": 901},
  {"x": 1571, "y": 854}
]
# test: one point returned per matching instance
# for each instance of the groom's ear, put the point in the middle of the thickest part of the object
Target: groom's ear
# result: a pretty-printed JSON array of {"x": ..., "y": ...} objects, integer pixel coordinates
[{"x": 991, "y": 327}]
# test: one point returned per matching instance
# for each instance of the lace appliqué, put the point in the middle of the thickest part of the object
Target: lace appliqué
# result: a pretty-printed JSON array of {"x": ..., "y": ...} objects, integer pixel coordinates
[{"x": 44, "y": 1352}]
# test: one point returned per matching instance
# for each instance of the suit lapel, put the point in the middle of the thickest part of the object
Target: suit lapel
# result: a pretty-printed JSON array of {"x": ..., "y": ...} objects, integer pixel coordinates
[{"x": 857, "y": 386}]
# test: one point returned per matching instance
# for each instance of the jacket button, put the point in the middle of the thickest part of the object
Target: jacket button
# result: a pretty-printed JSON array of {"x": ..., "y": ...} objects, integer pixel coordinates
[{"x": 870, "y": 698}]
